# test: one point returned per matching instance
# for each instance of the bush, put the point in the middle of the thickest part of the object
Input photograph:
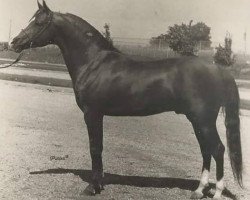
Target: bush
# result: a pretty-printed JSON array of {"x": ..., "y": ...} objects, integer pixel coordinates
[
  {"x": 184, "y": 39},
  {"x": 224, "y": 55}
]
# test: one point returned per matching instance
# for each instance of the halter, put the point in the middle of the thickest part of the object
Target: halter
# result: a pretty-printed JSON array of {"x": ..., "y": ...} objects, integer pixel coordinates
[
  {"x": 41, "y": 31},
  {"x": 31, "y": 39}
]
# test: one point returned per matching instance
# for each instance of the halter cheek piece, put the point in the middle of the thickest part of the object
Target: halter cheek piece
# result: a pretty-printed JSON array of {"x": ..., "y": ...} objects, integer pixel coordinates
[{"x": 32, "y": 39}]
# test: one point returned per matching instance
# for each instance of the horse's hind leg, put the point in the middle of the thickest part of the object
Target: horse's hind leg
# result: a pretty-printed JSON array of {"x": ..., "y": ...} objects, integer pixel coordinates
[
  {"x": 206, "y": 155},
  {"x": 94, "y": 122},
  {"x": 211, "y": 145},
  {"x": 218, "y": 150}
]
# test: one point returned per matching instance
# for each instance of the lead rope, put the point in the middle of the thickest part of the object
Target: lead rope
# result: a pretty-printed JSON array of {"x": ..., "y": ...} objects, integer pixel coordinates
[
  {"x": 9, "y": 65},
  {"x": 17, "y": 60}
]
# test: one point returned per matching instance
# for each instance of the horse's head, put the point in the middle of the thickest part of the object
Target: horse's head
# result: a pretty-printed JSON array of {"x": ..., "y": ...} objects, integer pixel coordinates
[{"x": 38, "y": 33}]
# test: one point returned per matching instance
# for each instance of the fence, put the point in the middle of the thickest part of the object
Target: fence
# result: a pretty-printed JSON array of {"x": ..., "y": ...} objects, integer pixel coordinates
[{"x": 145, "y": 48}]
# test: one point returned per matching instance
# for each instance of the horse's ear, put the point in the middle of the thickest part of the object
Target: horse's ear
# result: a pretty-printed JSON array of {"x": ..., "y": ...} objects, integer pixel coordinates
[
  {"x": 39, "y": 5},
  {"x": 46, "y": 8}
]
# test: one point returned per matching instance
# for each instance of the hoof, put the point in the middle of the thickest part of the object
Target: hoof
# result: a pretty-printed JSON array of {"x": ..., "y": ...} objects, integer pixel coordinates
[
  {"x": 89, "y": 190},
  {"x": 92, "y": 190},
  {"x": 196, "y": 195},
  {"x": 217, "y": 198},
  {"x": 217, "y": 195}
]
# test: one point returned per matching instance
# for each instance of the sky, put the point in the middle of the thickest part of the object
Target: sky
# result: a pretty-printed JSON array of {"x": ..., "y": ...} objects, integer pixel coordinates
[{"x": 140, "y": 18}]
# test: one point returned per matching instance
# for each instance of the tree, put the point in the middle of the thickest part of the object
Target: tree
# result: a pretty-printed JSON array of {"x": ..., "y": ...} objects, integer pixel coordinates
[
  {"x": 184, "y": 38},
  {"x": 224, "y": 55},
  {"x": 201, "y": 34},
  {"x": 107, "y": 33},
  {"x": 181, "y": 40}
]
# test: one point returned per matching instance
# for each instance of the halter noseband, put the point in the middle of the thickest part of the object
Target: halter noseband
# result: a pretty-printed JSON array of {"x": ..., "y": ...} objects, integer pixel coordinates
[{"x": 32, "y": 39}]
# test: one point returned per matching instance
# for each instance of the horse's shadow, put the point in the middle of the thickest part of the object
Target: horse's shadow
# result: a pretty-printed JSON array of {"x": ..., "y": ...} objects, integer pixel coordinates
[{"x": 139, "y": 181}]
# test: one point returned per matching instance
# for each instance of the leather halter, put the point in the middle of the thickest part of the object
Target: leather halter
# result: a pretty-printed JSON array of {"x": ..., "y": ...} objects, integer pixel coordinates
[{"x": 32, "y": 39}]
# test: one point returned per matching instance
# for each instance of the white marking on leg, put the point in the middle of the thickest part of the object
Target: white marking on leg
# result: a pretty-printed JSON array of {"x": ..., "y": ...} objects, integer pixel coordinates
[
  {"x": 219, "y": 188},
  {"x": 203, "y": 181},
  {"x": 205, "y": 177}
]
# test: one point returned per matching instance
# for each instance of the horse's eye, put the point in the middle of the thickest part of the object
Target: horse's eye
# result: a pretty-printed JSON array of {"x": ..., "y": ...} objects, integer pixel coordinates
[{"x": 39, "y": 23}]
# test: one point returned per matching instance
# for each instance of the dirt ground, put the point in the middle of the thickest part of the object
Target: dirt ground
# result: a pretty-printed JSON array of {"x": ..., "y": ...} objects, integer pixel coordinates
[{"x": 154, "y": 157}]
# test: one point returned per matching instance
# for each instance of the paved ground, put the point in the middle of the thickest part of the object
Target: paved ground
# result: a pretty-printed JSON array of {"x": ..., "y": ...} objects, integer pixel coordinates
[{"x": 153, "y": 157}]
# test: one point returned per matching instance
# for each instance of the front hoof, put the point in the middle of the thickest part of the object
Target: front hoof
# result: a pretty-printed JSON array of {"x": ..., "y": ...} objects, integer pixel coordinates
[
  {"x": 196, "y": 195},
  {"x": 92, "y": 190},
  {"x": 89, "y": 190}
]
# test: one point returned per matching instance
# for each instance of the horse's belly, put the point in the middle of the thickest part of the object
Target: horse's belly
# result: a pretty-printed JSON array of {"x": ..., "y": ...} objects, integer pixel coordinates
[
  {"x": 139, "y": 107},
  {"x": 145, "y": 112}
]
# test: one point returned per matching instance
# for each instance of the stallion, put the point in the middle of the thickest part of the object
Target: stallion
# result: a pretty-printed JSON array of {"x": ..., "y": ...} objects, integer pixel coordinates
[{"x": 107, "y": 82}]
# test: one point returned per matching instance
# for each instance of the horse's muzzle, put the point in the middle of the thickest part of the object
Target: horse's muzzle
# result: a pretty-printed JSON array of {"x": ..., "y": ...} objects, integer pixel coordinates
[{"x": 15, "y": 45}]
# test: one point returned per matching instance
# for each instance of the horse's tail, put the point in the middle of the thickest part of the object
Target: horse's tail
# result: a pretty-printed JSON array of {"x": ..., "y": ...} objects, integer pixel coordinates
[{"x": 232, "y": 123}]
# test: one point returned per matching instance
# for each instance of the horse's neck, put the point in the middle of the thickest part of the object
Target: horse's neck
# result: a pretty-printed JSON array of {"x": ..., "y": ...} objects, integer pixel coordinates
[
  {"x": 76, "y": 56},
  {"x": 76, "y": 51}
]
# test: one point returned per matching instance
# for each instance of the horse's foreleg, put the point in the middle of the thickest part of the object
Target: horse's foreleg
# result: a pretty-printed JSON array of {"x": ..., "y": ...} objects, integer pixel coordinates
[{"x": 94, "y": 122}]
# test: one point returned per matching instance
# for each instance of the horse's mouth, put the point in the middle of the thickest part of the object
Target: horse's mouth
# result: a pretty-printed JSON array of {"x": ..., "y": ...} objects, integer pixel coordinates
[
  {"x": 16, "y": 48},
  {"x": 19, "y": 44}
]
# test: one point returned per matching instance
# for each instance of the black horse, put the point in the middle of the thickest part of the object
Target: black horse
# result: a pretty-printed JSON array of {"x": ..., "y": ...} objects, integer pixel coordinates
[{"x": 107, "y": 82}]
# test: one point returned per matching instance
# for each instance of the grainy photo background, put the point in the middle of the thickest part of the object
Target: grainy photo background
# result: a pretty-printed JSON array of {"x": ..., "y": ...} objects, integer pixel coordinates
[{"x": 155, "y": 157}]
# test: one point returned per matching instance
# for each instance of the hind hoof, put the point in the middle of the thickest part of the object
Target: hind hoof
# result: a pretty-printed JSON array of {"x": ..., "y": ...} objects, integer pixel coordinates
[
  {"x": 196, "y": 195},
  {"x": 217, "y": 198}
]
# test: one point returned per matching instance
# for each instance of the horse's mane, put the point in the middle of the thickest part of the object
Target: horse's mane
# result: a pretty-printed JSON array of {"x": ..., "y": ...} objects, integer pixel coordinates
[{"x": 79, "y": 23}]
